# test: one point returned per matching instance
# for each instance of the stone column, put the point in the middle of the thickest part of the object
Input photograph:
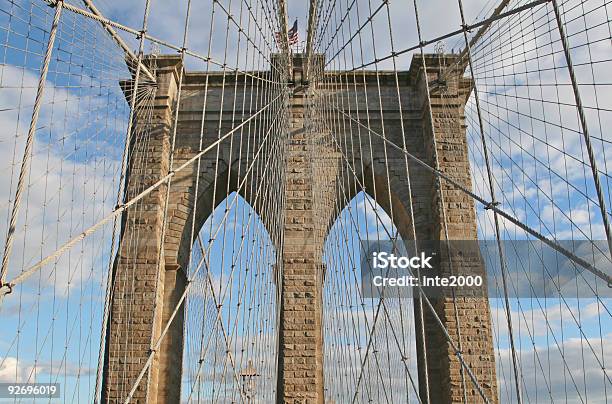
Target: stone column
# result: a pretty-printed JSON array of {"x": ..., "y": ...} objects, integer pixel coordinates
[
  {"x": 145, "y": 290},
  {"x": 300, "y": 367},
  {"x": 465, "y": 316}
]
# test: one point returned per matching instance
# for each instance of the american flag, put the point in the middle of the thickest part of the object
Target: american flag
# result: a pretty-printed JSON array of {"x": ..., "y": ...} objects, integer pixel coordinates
[{"x": 292, "y": 34}]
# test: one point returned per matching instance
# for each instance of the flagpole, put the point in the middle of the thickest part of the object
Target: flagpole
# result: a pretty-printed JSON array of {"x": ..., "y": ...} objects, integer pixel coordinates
[{"x": 282, "y": 16}]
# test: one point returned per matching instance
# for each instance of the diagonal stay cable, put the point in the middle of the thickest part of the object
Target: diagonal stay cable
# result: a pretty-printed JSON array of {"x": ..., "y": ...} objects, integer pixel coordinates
[
  {"x": 502, "y": 258},
  {"x": 583, "y": 263},
  {"x": 437, "y": 39},
  {"x": 583, "y": 122},
  {"x": 6, "y": 288},
  {"x": 187, "y": 288},
  {"x": 362, "y": 249},
  {"x": 27, "y": 152},
  {"x": 447, "y": 336},
  {"x": 90, "y": 5},
  {"x": 138, "y": 34}
]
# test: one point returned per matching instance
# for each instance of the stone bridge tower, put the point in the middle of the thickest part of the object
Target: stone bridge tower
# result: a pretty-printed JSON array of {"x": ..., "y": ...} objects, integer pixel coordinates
[{"x": 312, "y": 177}]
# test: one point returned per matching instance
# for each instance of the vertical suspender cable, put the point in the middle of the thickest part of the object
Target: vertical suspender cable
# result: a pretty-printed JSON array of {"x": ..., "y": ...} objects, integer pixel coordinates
[
  {"x": 439, "y": 186},
  {"x": 583, "y": 122},
  {"x": 412, "y": 218},
  {"x": 120, "y": 189},
  {"x": 27, "y": 153},
  {"x": 502, "y": 259}
]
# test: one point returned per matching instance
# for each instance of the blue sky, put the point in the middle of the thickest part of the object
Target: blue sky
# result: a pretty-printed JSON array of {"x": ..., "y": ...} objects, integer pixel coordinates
[{"x": 78, "y": 149}]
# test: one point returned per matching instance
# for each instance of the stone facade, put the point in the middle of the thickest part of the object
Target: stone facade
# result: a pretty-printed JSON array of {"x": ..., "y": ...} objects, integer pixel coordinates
[
  {"x": 382, "y": 172},
  {"x": 149, "y": 278}
]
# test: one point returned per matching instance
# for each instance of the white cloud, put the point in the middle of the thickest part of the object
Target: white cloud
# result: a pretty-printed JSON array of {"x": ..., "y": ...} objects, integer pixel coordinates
[
  {"x": 576, "y": 376},
  {"x": 11, "y": 371},
  {"x": 64, "y": 193},
  {"x": 70, "y": 186},
  {"x": 61, "y": 186},
  {"x": 535, "y": 321}
]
